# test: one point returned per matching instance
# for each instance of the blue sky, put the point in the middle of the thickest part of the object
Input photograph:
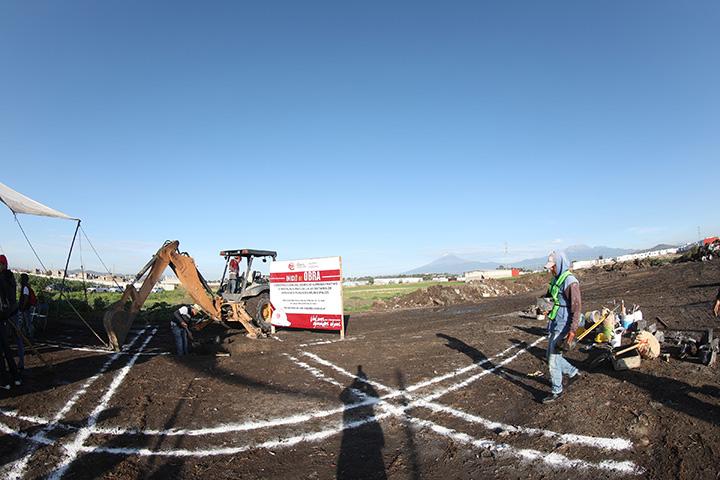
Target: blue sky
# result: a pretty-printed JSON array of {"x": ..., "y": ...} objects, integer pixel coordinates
[{"x": 386, "y": 132}]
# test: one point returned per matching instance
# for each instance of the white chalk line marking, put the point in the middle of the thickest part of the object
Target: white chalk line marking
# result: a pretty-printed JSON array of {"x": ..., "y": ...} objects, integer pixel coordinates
[
  {"x": 79, "y": 348},
  {"x": 459, "y": 371},
  {"x": 552, "y": 459},
  {"x": 326, "y": 342},
  {"x": 72, "y": 449},
  {"x": 228, "y": 428},
  {"x": 439, "y": 393},
  {"x": 293, "y": 419},
  {"x": 14, "y": 433},
  {"x": 570, "y": 438},
  {"x": 17, "y": 468},
  {"x": 25, "y": 418},
  {"x": 598, "y": 442}
]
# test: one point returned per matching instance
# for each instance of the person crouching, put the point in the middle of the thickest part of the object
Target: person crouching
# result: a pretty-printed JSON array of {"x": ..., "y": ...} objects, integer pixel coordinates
[{"x": 180, "y": 327}]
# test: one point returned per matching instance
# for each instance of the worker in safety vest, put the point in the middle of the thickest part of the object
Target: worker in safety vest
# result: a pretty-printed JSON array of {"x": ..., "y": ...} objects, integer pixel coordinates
[{"x": 563, "y": 320}]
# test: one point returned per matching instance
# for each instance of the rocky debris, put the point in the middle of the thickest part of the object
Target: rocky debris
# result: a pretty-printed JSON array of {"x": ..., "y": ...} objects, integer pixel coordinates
[
  {"x": 701, "y": 253},
  {"x": 637, "y": 264},
  {"x": 473, "y": 292}
]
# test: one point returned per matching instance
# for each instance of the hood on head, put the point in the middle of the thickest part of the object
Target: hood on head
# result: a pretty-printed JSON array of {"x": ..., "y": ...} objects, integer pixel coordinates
[{"x": 561, "y": 262}]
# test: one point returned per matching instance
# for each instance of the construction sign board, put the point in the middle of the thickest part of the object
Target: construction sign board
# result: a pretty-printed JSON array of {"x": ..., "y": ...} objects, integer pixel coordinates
[{"x": 307, "y": 294}]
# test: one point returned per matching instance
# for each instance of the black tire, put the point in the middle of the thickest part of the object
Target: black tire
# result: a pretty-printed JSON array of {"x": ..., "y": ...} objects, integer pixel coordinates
[{"x": 259, "y": 309}]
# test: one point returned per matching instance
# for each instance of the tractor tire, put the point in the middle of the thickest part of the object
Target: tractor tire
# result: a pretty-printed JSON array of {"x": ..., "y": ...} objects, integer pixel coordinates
[{"x": 260, "y": 311}]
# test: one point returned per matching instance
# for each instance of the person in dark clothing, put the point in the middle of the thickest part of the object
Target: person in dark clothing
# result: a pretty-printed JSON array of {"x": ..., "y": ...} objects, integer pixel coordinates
[
  {"x": 563, "y": 321},
  {"x": 180, "y": 327},
  {"x": 8, "y": 310},
  {"x": 26, "y": 306}
]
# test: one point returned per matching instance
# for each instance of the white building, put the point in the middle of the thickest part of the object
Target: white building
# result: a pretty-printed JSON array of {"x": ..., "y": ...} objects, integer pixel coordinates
[
  {"x": 480, "y": 275},
  {"x": 169, "y": 283},
  {"x": 579, "y": 265},
  {"x": 390, "y": 281}
]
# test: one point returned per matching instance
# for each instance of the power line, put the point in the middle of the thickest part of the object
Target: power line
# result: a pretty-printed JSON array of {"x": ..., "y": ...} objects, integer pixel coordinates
[
  {"x": 29, "y": 243},
  {"x": 98, "y": 255}
]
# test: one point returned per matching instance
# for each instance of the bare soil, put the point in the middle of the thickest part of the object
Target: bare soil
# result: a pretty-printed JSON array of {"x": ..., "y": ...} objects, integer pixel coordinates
[
  {"x": 472, "y": 292},
  {"x": 329, "y": 424}
]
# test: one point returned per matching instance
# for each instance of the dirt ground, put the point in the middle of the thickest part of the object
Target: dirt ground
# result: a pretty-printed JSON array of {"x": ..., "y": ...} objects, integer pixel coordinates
[
  {"x": 472, "y": 292},
  {"x": 432, "y": 393}
]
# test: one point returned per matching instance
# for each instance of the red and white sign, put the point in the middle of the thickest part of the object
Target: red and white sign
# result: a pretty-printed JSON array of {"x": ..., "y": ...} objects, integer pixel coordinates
[{"x": 307, "y": 293}]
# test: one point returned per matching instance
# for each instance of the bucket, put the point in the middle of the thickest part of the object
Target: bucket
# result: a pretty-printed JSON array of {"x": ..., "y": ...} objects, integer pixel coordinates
[{"x": 617, "y": 337}]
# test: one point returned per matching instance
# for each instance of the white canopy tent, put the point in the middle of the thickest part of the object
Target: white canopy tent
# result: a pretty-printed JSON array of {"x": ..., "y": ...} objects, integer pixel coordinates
[{"x": 21, "y": 204}]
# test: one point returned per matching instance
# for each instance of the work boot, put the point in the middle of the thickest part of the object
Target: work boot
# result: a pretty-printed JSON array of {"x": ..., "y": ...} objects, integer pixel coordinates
[
  {"x": 550, "y": 397},
  {"x": 573, "y": 379}
]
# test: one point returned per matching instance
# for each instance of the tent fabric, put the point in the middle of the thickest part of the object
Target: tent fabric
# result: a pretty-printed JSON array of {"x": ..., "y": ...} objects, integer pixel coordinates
[{"x": 19, "y": 203}]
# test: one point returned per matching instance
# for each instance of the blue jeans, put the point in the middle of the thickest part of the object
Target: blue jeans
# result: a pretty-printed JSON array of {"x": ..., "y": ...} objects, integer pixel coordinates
[
  {"x": 557, "y": 363},
  {"x": 26, "y": 323},
  {"x": 181, "y": 339}
]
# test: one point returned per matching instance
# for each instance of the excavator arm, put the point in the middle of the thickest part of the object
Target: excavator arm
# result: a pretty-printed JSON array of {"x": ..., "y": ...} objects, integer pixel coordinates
[{"x": 119, "y": 316}]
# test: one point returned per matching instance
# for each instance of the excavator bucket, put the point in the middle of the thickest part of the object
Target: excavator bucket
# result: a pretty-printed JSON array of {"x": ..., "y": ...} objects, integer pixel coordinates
[
  {"x": 120, "y": 315},
  {"x": 118, "y": 318},
  {"x": 117, "y": 325}
]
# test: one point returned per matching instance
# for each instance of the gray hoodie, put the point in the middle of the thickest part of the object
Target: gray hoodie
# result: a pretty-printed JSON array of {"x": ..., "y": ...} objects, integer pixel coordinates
[{"x": 568, "y": 316}]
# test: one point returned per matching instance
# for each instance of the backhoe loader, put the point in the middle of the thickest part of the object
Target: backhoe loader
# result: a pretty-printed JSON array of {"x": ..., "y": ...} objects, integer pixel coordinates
[{"x": 224, "y": 307}]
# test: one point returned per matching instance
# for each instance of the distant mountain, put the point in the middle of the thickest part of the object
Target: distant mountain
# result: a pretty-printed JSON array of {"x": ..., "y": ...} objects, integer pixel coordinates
[
  {"x": 453, "y": 264},
  {"x": 88, "y": 272}
]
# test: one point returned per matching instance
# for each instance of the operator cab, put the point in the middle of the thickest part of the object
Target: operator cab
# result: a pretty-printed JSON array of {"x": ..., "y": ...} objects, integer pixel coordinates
[{"x": 242, "y": 284}]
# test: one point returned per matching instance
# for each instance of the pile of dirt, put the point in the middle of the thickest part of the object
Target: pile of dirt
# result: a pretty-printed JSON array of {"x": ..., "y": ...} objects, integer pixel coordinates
[
  {"x": 473, "y": 292},
  {"x": 637, "y": 264}
]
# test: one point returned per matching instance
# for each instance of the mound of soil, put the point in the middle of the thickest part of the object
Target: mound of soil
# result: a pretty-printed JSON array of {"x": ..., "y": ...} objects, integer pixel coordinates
[
  {"x": 473, "y": 292},
  {"x": 701, "y": 253}
]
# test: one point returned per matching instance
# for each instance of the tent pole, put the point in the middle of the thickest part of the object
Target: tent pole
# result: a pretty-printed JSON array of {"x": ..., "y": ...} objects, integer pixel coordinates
[
  {"x": 62, "y": 288},
  {"x": 67, "y": 262}
]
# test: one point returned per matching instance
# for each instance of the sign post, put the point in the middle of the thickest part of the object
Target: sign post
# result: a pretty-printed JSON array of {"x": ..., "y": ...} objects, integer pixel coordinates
[{"x": 307, "y": 294}]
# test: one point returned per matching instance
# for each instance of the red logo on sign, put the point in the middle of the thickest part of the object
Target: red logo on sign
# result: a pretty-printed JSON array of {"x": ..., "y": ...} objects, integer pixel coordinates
[{"x": 291, "y": 266}]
